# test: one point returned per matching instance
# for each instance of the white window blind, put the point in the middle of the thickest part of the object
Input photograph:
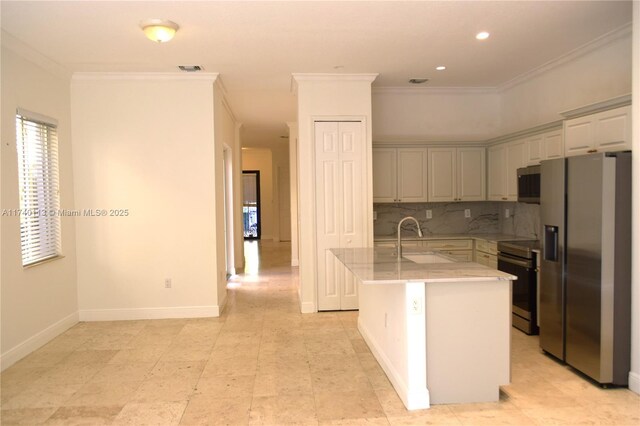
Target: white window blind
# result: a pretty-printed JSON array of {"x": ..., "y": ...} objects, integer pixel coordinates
[{"x": 37, "y": 146}]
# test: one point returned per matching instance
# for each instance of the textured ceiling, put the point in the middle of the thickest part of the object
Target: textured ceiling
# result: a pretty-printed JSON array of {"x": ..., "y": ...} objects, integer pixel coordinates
[{"x": 255, "y": 46}]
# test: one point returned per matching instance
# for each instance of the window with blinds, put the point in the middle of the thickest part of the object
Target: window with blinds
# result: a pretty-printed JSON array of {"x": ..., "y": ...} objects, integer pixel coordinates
[{"x": 37, "y": 146}]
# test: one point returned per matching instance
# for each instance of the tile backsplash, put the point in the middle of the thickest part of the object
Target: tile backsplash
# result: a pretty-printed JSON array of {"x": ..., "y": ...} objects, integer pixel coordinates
[{"x": 448, "y": 218}]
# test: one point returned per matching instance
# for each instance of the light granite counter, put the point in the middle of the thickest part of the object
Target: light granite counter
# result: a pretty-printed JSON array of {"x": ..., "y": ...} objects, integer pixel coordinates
[
  {"x": 406, "y": 236},
  {"x": 381, "y": 266}
]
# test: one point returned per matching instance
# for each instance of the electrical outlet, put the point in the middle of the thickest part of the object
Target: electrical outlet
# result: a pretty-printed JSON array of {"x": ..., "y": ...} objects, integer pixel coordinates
[
  {"x": 167, "y": 283},
  {"x": 375, "y": 215},
  {"x": 467, "y": 212},
  {"x": 429, "y": 214},
  {"x": 506, "y": 213},
  {"x": 416, "y": 306}
]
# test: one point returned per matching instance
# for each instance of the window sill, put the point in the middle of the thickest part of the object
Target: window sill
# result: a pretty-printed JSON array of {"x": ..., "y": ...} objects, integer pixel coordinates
[{"x": 43, "y": 261}]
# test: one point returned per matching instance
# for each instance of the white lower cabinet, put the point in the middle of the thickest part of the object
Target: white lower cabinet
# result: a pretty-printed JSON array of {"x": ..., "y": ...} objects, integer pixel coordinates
[{"x": 486, "y": 253}]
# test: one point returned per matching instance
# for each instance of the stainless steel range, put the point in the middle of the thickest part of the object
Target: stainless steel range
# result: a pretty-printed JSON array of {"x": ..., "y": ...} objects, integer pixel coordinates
[{"x": 520, "y": 258}]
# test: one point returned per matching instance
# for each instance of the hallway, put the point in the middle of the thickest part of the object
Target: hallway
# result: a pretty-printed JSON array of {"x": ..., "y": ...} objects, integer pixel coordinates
[{"x": 263, "y": 362}]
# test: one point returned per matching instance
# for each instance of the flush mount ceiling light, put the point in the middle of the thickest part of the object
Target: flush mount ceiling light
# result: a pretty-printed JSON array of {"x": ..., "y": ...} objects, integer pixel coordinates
[
  {"x": 159, "y": 30},
  {"x": 418, "y": 80},
  {"x": 441, "y": 68},
  {"x": 482, "y": 35}
]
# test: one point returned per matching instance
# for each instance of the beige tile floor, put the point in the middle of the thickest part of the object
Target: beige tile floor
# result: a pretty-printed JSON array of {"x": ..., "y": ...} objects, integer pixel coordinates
[{"x": 263, "y": 362}]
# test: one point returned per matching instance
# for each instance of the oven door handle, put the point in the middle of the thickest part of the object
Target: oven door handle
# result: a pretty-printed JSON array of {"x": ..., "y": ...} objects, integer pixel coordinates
[{"x": 514, "y": 261}]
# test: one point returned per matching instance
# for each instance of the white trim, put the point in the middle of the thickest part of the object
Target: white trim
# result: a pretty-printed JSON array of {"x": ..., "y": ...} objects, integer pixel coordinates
[
  {"x": 616, "y": 102},
  {"x": 308, "y": 308},
  {"x": 334, "y": 77},
  {"x": 568, "y": 57},
  {"x": 294, "y": 262},
  {"x": 542, "y": 128},
  {"x": 634, "y": 382},
  {"x": 36, "y": 341},
  {"x": 30, "y": 54},
  {"x": 150, "y": 313},
  {"x": 433, "y": 90},
  {"x": 413, "y": 401},
  {"x": 206, "y": 76},
  {"x": 403, "y": 140}
]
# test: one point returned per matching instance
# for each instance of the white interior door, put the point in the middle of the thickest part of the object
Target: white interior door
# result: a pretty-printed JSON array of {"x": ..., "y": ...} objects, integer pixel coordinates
[{"x": 340, "y": 167}]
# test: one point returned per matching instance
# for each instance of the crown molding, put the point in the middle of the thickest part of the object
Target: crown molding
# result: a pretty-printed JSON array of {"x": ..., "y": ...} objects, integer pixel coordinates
[
  {"x": 399, "y": 141},
  {"x": 434, "y": 90},
  {"x": 546, "y": 127},
  {"x": 334, "y": 77},
  {"x": 30, "y": 54},
  {"x": 589, "y": 47},
  {"x": 83, "y": 76},
  {"x": 616, "y": 102}
]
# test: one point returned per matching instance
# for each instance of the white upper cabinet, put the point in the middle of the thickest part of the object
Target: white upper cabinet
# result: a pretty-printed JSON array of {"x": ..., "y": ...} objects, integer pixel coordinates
[
  {"x": 544, "y": 147},
  {"x": 385, "y": 165},
  {"x": 412, "y": 175},
  {"x": 399, "y": 175},
  {"x": 504, "y": 162},
  {"x": 457, "y": 174},
  {"x": 603, "y": 131}
]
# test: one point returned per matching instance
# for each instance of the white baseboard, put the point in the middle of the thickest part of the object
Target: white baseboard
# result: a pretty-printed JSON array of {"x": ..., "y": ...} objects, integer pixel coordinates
[
  {"x": 36, "y": 341},
  {"x": 634, "y": 382},
  {"x": 150, "y": 313},
  {"x": 307, "y": 308},
  {"x": 412, "y": 400}
]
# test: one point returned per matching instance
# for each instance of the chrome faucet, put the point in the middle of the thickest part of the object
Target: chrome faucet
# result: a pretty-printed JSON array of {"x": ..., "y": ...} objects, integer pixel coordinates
[{"x": 400, "y": 234}]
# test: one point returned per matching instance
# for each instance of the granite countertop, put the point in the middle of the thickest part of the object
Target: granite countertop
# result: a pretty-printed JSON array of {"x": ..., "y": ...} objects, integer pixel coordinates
[
  {"x": 381, "y": 266},
  {"x": 488, "y": 237}
]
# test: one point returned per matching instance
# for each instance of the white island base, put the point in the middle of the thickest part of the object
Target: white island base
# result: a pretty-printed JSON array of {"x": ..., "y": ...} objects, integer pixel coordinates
[{"x": 442, "y": 342}]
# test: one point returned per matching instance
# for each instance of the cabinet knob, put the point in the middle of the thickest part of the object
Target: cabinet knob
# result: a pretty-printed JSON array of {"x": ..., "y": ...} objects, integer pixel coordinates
[
  {"x": 591, "y": 151},
  {"x": 348, "y": 241},
  {"x": 504, "y": 198}
]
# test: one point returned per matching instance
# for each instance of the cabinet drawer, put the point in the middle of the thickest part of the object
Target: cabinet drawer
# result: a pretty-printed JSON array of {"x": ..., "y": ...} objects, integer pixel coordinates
[
  {"x": 486, "y": 259},
  {"x": 459, "y": 255},
  {"x": 449, "y": 244},
  {"x": 490, "y": 247}
]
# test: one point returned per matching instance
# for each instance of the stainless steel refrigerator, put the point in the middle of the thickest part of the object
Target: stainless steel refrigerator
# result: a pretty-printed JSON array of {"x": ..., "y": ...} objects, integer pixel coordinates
[{"x": 585, "y": 270}]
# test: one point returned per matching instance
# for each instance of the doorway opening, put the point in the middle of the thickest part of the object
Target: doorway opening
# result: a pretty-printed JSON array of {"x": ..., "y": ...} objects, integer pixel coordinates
[{"x": 251, "y": 204}]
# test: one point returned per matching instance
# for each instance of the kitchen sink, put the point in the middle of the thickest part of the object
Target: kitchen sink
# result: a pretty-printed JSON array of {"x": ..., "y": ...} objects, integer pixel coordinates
[{"x": 427, "y": 258}]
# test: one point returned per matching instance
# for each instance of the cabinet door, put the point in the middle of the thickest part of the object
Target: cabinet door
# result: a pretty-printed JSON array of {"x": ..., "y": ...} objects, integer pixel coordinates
[
  {"x": 412, "y": 175},
  {"x": 613, "y": 129},
  {"x": 553, "y": 145},
  {"x": 384, "y": 175},
  {"x": 578, "y": 136},
  {"x": 442, "y": 174},
  {"x": 534, "y": 150},
  {"x": 497, "y": 166},
  {"x": 471, "y": 174},
  {"x": 515, "y": 160}
]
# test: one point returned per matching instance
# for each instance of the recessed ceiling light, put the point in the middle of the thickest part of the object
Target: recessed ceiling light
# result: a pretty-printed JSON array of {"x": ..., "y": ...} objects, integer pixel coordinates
[
  {"x": 418, "y": 80},
  {"x": 482, "y": 35},
  {"x": 160, "y": 30},
  {"x": 441, "y": 68}
]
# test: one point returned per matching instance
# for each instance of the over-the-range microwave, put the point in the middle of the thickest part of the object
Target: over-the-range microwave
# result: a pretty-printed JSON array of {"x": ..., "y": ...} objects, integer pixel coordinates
[{"x": 529, "y": 185}]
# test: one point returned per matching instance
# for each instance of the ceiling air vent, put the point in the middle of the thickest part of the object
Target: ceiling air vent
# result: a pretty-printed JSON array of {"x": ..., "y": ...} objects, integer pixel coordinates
[
  {"x": 190, "y": 68},
  {"x": 418, "y": 80}
]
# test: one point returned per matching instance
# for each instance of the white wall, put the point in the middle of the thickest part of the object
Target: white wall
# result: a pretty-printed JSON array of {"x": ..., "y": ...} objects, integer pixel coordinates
[
  {"x": 329, "y": 97},
  {"x": 261, "y": 159},
  {"x": 634, "y": 375},
  {"x": 280, "y": 159},
  {"x": 41, "y": 301},
  {"x": 435, "y": 114},
  {"x": 146, "y": 143},
  {"x": 293, "y": 188},
  {"x": 226, "y": 138},
  {"x": 595, "y": 75}
]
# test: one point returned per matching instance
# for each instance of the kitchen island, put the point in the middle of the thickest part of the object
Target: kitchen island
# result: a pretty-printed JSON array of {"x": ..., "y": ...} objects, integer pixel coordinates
[{"x": 439, "y": 328}]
